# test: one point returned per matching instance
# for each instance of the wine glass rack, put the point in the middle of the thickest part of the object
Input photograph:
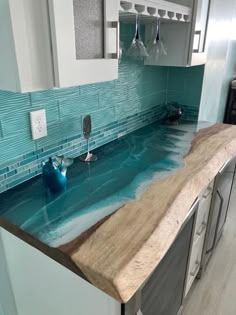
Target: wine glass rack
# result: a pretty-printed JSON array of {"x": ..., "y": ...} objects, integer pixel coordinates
[{"x": 150, "y": 9}]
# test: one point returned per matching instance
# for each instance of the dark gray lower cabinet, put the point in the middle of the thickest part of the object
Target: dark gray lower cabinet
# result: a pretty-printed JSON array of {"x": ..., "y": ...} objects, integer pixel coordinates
[
  {"x": 162, "y": 295},
  {"x": 219, "y": 209},
  {"x": 163, "y": 292}
]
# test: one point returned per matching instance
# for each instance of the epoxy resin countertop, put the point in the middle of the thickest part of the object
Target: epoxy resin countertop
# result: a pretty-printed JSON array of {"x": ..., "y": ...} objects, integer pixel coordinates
[{"x": 120, "y": 215}]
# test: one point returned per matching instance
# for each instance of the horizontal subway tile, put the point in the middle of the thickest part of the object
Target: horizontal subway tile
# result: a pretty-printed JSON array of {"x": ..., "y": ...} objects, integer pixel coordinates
[
  {"x": 4, "y": 170},
  {"x": 43, "y": 97},
  {"x": 22, "y": 179},
  {"x": 11, "y": 173}
]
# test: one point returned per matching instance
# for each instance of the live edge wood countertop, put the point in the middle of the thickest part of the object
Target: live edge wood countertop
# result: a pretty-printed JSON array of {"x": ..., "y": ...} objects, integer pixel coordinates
[{"x": 120, "y": 253}]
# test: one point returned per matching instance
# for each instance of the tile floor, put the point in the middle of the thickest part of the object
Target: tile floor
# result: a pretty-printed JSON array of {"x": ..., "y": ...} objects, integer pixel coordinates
[{"x": 215, "y": 293}]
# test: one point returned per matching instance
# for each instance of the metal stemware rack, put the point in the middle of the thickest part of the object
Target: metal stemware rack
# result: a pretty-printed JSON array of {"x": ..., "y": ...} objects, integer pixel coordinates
[{"x": 155, "y": 8}]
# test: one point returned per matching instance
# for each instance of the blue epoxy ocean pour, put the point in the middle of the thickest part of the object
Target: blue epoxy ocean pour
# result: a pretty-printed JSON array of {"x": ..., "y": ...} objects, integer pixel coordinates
[{"x": 126, "y": 167}]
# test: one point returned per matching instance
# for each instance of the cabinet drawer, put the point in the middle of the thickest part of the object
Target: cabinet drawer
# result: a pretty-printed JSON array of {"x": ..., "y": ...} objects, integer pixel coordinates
[
  {"x": 202, "y": 217},
  {"x": 195, "y": 261}
]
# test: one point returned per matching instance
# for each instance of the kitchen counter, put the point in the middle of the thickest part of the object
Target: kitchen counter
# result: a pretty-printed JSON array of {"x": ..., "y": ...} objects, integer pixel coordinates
[{"x": 120, "y": 215}]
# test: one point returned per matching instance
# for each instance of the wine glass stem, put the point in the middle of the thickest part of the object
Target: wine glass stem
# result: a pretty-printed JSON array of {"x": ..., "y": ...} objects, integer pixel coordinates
[
  {"x": 88, "y": 145},
  {"x": 158, "y": 30},
  {"x": 137, "y": 36}
]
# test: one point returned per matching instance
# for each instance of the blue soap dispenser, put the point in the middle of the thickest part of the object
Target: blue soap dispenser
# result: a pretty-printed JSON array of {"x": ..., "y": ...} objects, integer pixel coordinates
[{"x": 54, "y": 174}]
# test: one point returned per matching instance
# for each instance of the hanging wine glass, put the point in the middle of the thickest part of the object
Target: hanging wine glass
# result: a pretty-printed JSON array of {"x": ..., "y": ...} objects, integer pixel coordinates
[
  {"x": 137, "y": 50},
  {"x": 157, "y": 47},
  {"x": 121, "y": 51},
  {"x": 163, "y": 46},
  {"x": 153, "y": 46}
]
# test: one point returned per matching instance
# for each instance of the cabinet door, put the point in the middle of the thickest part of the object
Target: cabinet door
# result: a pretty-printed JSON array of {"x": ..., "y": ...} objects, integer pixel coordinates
[
  {"x": 198, "y": 49},
  {"x": 219, "y": 209},
  {"x": 7, "y": 299},
  {"x": 25, "y": 57},
  {"x": 85, "y": 39},
  {"x": 176, "y": 36},
  {"x": 224, "y": 188},
  {"x": 52, "y": 290},
  {"x": 163, "y": 293}
]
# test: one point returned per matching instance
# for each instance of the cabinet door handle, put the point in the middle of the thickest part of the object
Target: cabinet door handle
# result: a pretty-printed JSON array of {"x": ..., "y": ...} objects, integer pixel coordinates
[
  {"x": 194, "y": 272},
  {"x": 192, "y": 209},
  {"x": 116, "y": 25},
  {"x": 208, "y": 192},
  {"x": 218, "y": 222},
  {"x": 219, "y": 216},
  {"x": 202, "y": 228}
]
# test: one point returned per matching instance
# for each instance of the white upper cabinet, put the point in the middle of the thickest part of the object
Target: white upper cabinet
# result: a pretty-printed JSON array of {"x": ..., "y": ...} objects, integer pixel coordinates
[
  {"x": 57, "y": 43},
  {"x": 25, "y": 47},
  {"x": 85, "y": 41},
  {"x": 185, "y": 42}
]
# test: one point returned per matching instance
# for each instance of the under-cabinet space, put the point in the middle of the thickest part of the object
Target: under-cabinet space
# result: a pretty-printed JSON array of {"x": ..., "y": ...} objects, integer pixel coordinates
[{"x": 185, "y": 42}]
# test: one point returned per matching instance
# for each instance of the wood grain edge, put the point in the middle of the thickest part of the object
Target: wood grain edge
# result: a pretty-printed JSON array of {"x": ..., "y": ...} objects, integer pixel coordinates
[
  {"x": 68, "y": 248},
  {"x": 128, "y": 280}
]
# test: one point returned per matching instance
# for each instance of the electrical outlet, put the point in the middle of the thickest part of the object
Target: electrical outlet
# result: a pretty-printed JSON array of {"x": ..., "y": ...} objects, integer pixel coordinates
[{"x": 38, "y": 124}]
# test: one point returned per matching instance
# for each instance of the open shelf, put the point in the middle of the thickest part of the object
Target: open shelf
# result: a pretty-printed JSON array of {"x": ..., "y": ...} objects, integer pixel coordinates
[{"x": 154, "y": 8}]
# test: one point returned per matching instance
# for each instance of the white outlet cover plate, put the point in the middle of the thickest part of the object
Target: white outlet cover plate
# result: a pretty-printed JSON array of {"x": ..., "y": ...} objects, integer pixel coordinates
[{"x": 38, "y": 124}]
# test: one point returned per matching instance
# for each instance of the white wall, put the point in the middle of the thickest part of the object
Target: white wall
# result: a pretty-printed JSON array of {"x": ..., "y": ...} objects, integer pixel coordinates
[
  {"x": 7, "y": 303},
  {"x": 229, "y": 75},
  {"x": 219, "y": 69},
  {"x": 43, "y": 287},
  {"x": 1, "y": 310}
]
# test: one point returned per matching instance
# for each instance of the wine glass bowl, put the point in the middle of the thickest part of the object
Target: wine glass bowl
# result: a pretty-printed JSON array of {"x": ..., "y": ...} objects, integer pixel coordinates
[
  {"x": 157, "y": 47},
  {"x": 137, "y": 49},
  {"x": 154, "y": 49},
  {"x": 163, "y": 48}
]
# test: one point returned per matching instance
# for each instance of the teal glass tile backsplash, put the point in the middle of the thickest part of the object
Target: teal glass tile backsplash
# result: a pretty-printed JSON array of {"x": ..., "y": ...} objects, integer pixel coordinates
[
  {"x": 185, "y": 85},
  {"x": 117, "y": 107}
]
